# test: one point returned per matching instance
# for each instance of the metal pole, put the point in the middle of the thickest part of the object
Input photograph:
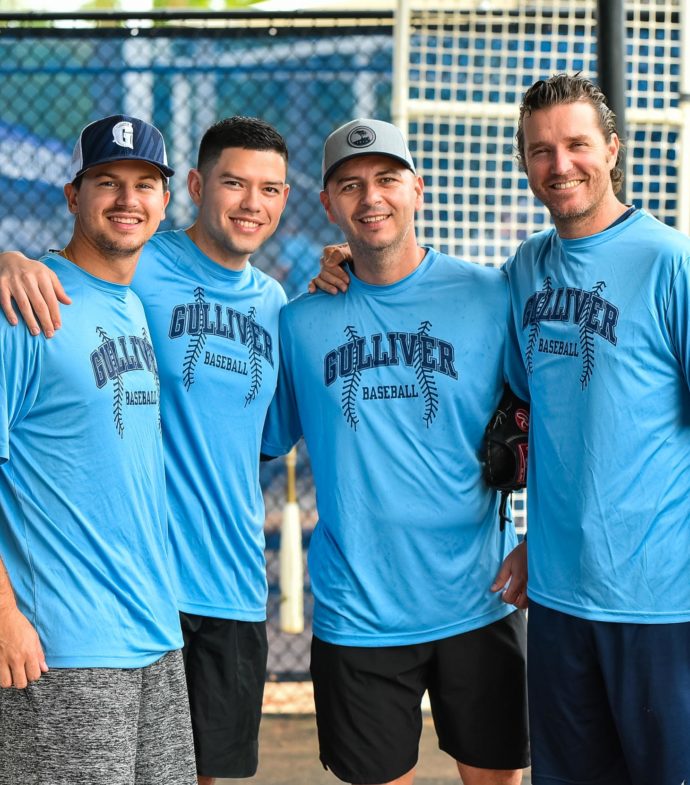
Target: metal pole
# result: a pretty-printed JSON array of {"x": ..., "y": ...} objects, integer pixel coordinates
[
  {"x": 290, "y": 559},
  {"x": 684, "y": 136},
  {"x": 401, "y": 60},
  {"x": 611, "y": 60}
]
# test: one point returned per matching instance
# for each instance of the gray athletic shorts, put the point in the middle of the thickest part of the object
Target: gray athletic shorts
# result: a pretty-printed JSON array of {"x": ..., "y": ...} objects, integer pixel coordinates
[{"x": 99, "y": 726}]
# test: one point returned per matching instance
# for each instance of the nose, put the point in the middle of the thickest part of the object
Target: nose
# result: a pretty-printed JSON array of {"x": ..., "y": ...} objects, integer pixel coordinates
[
  {"x": 127, "y": 195},
  {"x": 250, "y": 200},
  {"x": 370, "y": 194},
  {"x": 561, "y": 161}
]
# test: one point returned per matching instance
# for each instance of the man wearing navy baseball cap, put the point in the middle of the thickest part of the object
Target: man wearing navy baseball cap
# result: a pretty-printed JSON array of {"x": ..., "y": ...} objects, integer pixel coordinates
[
  {"x": 119, "y": 138},
  {"x": 94, "y": 686},
  {"x": 200, "y": 291},
  {"x": 398, "y": 377}
]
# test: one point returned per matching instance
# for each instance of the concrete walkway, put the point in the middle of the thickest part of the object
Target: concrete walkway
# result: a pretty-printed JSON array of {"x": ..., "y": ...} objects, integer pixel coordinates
[{"x": 289, "y": 756}]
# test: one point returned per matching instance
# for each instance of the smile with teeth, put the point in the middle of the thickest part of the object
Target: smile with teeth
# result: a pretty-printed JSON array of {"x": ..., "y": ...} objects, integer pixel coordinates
[
  {"x": 373, "y": 219},
  {"x": 566, "y": 185},
  {"x": 124, "y": 219},
  {"x": 245, "y": 223}
]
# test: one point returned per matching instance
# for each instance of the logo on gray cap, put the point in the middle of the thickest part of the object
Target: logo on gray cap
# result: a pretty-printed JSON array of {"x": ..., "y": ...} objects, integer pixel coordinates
[{"x": 361, "y": 136}]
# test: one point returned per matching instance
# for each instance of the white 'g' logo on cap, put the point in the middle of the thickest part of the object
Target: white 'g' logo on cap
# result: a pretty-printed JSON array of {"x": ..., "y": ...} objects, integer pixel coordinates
[
  {"x": 361, "y": 136},
  {"x": 123, "y": 134}
]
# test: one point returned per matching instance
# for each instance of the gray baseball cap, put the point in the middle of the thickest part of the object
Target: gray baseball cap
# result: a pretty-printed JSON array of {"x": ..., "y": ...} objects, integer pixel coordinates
[{"x": 364, "y": 137}]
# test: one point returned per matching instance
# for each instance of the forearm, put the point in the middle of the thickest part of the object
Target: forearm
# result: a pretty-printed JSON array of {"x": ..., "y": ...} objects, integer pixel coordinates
[
  {"x": 7, "y": 598},
  {"x": 34, "y": 290},
  {"x": 21, "y": 655}
]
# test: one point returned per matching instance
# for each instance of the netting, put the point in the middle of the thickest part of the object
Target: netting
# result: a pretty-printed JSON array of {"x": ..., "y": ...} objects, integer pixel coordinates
[
  {"x": 305, "y": 79},
  {"x": 468, "y": 66}
]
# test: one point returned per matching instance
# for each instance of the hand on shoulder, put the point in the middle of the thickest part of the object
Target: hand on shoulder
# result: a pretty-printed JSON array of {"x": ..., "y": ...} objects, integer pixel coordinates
[{"x": 36, "y": 291}]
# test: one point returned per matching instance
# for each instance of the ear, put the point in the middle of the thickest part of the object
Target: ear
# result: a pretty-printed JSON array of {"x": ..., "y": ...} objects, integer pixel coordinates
[
  {"x": 166, "y": 201},
  {"x": 286, "y": 193},
  {"x": 71, "y": 195},
  {"x": 326, "y": 202},
  {"x": 613, "y": 146},
  {"x": 419, "y": 190},
  {"x": 195, "y": 184}
]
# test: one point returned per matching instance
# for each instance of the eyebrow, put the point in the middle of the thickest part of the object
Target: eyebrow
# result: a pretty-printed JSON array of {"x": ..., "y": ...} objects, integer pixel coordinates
[
  {"x": 575, "y": 138},
  {"x": 114, "y": 176},
  {"x": 244, "y": 179},
  {"x": 379, "y": 173}
]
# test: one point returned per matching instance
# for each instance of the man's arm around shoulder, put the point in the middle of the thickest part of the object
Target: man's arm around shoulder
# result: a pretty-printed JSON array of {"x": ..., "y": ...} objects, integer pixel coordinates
[{"x": 36, "y": 291}]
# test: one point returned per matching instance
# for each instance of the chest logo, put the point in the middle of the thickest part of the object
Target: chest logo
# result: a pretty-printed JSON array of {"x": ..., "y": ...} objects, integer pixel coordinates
[
  {"x": 592, "y": 315},
  {"x": 421, "y": 351},
  {"x": 201, "y": 319},
  {"x": 113, "y": 359}
]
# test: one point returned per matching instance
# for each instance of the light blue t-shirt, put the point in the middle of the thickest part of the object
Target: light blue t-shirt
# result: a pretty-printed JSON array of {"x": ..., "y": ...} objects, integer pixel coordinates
[
  {"x": 392, "y": 387},
  {"x": 215, "y": 332},
  {"x": 602, "y": 325},
  {"x": 82, "y": 490}
]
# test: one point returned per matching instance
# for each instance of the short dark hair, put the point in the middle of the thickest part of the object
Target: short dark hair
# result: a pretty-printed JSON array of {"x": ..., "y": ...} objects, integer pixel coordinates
[
  {"x": 566, "y": 89},
  {"x": 248, "y": 133}
]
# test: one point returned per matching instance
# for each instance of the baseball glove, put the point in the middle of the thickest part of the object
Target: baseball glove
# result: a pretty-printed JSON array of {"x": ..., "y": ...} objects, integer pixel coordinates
[{"x": 504, "y": 451}]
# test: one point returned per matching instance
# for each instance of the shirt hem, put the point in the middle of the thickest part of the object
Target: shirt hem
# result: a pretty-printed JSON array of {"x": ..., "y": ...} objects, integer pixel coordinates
[
  {"x": 411, "y": 638},
  {"x": 107, "y": 661},
  {"x": 273, "y": 450},
  {"x": 615, "y": 616},
  {"x": 216, "y": 612}
]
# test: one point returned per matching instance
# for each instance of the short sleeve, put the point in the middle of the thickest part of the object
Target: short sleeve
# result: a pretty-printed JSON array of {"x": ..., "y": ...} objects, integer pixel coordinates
[
  {"x": 20, "y": 355},
  {"x": 283, "y": 427},
  {"x": 513, "y": 365},
  {"x": 678, "y": 316}
]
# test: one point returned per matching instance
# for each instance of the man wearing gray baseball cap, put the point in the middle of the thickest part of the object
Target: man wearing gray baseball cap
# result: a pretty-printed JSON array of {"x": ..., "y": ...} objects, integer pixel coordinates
[
  {"x": 364, "y": 137},
  {"x": 391, "y": 385}
]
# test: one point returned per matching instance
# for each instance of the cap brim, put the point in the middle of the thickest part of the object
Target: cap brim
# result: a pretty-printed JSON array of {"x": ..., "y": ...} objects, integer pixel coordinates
[
  {"x": 359, "y": 154},
  {"x": 166, "y": 171}
]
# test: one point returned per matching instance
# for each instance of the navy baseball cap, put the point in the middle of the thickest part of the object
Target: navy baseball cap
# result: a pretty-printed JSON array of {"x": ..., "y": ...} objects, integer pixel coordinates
[
  {"x": 119, "y": 138},
  {"x": 364, "y": 137}
]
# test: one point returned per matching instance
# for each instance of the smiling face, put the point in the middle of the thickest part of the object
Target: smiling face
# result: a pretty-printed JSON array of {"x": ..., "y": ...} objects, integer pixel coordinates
[
  {"x": 373, "y": 199},
  {"x": 568, "y": 162},
  {"x": 240, "y": 200},
  {"x": 117, "y": 208}
]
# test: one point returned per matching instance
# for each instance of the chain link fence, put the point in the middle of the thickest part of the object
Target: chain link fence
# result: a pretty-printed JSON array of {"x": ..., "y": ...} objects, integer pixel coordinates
[{"x": 305, "y": 76}]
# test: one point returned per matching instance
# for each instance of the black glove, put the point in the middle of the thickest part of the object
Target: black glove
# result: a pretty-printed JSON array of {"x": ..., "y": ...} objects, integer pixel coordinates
[{"x": 504, "y": 451}]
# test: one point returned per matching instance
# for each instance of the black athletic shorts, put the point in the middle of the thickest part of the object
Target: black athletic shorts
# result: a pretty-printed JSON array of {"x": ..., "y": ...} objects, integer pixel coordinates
[
  {"x": 225, "y": 665},
  {"x": 368, "y": 702}
]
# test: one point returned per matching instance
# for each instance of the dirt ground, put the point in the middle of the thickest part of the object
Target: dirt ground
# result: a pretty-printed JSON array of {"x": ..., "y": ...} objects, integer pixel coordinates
[{"x": 288, "y": 755}]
